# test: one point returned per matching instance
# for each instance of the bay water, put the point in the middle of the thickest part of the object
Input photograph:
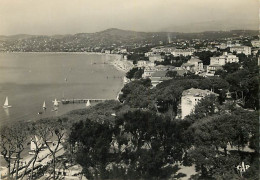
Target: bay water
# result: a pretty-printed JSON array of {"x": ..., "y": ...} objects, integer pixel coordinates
[{"x": 29, "y": 79}]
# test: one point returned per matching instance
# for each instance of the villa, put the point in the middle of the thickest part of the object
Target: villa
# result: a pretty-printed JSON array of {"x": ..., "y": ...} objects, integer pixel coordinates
[{"x": 190, "y": 99}]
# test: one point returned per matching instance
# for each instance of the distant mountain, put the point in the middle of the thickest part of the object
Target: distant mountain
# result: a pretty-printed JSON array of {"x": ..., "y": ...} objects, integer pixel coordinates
[
  {"x": 17, "y": 36},
  {"x": 105, "y": 39}
]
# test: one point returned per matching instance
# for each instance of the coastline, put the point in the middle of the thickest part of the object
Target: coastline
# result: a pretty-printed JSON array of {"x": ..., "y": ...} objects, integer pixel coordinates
[
  {"x": 109, "y": 90},
  {"x": 118, "y": 62},
  {"x": 114, "y": 59}
]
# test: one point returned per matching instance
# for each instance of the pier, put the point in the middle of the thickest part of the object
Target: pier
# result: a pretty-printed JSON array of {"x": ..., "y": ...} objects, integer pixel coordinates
[{"x": 73, "y": 101}]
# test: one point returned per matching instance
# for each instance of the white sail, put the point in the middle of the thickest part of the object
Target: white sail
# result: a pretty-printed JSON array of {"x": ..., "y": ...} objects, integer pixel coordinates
[
  {"x": 6, "y": 104},
  {"x": 88, "y": 104},
  {"x": 6, "y": 101},
  {"x": 44, "y": 105},
  {"x": 55, "y": 102}
]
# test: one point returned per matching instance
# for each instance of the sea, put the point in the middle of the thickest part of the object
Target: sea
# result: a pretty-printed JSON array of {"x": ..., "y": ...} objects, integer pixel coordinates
[{"x": 29, "y": 79}]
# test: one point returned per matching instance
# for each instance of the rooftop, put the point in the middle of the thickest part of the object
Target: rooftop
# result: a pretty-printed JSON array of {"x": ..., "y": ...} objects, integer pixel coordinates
[
  {"x": 215, "y": 65},
  {"x": 159, "y": 74},
  {"x": 187, "y": 64},
  {"x": 197, "y": 92},
  {"x": 194, "y": 60}
]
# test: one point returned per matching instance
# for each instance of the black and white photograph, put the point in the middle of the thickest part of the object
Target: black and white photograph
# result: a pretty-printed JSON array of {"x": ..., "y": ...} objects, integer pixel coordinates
[{"x": 129, "y": 89}]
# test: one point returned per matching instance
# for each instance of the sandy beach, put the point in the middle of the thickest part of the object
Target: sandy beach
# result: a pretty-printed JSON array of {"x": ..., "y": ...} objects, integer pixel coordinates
[{"x": 119, "y": 63}]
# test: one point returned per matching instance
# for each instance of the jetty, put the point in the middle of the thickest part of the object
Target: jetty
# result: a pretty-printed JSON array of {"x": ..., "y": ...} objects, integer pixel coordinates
[{"x": 73, "y": 101}]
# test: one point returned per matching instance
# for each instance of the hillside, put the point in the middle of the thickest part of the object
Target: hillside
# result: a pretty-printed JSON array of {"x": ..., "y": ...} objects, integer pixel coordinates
[{"x": 105, "y": 39}]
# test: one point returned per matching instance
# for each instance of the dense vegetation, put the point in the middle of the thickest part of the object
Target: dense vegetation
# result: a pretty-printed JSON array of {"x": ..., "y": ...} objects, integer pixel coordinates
[{"x": 145, "y": 140}]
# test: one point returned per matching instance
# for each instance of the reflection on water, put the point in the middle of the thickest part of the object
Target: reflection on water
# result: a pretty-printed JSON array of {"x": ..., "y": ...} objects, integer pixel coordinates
[{"x": 7, "y": 112}]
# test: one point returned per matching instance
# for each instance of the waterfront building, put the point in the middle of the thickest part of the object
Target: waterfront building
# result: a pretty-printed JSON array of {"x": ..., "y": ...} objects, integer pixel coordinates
[
  {"x": 123, "y": 51},
  {"x": 190, "y": 99},
  {"x": 241, "y": 49},
  {"x": 107, "y": 51}
]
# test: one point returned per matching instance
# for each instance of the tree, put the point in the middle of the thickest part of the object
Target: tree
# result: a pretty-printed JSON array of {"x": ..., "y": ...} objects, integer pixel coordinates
[
  {"x": 231, "y": 67},
  {"x": 151, "y": 143},
  {"x": 7, "y": 147},
  {"x": 13, "y": 138},
  {"x": 171, "y": 74},
  {"x": 130, "y": 74},
  {"x": 91, "y": 141},
  {"x": 52, "y": 130},
  {"x": 137, "y": 93},
  {"x": 205, "y": 56},
  {"x": 138, "y": 74},
  {"x": 38, "y": 147},
  {"x": 211, "y": 136}
]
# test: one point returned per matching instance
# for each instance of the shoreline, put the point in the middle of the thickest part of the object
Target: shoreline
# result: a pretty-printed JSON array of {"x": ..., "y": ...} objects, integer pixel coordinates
[
  {"x": 108, "y": 92},
  {"x": 113, "y": 58},
  {"x": 119, "y": 63}
]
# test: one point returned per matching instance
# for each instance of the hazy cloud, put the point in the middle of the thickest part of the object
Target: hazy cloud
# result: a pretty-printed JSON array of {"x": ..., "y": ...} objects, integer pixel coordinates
[{"x": 74, "y": 16}]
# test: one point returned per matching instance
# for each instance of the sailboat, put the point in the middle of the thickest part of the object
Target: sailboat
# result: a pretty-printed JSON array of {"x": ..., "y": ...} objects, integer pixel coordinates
[
  {"x": 6, "y": 105},
  {"x": 44, "y": 106},
  {"x": 55, "y": 102},
  {"x": 88, "y": 104}
]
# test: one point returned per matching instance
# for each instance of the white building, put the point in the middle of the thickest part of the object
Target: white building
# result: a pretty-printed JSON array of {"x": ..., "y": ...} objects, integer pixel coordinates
[
  {"x": 148, "y": 72},
  {"x": 255, "y": 43},
  {"x": 147, "y": 54},
  {"x": 107, "y": 51},
  {"x": 198, "y": 64},
  {"x": 158, "y": 77},
  {"x": 190, "y": 98},
  {"x": 194, "y": 65},
  {"x": 181, "y": 52},
  {"x": 241, "y": 49},
  {"x": 145, "y": 64},
  {"x": 222, "y": 46},
  {"x": 155, "y": 57},
  {"x": 211, "y": 69},
  {"x": 123, "y": 50},
  {"x": 222, "y": 60}
]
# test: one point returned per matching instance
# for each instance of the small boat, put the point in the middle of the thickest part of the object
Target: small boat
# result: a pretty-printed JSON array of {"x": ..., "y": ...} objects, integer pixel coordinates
[
  {"x": 55, "y": 102},
  {"x": 88, "y": 104},
  {"x": 44, "y": 106},
  {"x": 40, "y": 112},
  {"x": 54, "y": 109},
  {"x": 6, "y": 105}
]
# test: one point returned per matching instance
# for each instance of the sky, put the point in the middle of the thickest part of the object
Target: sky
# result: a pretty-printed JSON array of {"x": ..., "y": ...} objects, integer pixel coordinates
[{"x": 49, "y": 17}]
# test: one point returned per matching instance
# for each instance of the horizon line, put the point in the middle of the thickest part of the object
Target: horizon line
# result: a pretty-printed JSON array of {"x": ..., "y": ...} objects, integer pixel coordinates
[{"x": 195, "y": 32}]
